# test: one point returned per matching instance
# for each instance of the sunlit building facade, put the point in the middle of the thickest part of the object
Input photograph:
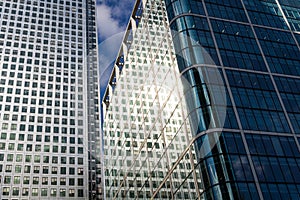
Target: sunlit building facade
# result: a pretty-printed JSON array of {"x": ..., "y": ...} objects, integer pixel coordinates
[
  {"x": 226, "y": 125},
  {"x": 146, "y": 135},
  {"x": 49, "y": 115}
]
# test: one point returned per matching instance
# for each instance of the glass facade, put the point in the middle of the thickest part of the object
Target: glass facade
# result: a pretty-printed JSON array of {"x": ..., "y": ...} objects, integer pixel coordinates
[
  {"x": 49, "y": 115},
  {"x": 255, "y": 46},
  {"x": 146, "y": 137},
  {"x": 203, "y": 102}
]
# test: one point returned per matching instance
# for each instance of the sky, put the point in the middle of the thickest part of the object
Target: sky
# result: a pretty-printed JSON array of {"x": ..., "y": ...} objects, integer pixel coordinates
[{"x": 112, "y": 20}]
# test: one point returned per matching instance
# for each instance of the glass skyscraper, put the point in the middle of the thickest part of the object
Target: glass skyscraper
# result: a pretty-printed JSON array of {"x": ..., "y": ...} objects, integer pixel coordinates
[
  {"x": 255, "y": 46},
  {"x": 144, "y": 128},
  {"x": 49, "y": 99},
  {"x": 225, "y": 123}
]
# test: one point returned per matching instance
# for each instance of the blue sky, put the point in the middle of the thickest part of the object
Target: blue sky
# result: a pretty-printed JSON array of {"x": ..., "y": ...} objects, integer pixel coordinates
[
  {"x": 113, "y": 16},
  {"x": 112, "y": 20}
]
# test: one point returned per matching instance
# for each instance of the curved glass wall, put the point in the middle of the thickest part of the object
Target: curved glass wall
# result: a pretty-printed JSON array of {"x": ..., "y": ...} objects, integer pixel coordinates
[{"x": 241, "y": 60}]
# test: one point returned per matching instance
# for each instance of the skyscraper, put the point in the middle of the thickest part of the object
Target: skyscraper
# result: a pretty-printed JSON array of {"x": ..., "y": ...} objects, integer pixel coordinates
[
  {"x": 255, "y": 46},
  {"x": 238, "y": 65},
  {"x": 49, "y": 116},
  {"x": 144, "y": 128}
]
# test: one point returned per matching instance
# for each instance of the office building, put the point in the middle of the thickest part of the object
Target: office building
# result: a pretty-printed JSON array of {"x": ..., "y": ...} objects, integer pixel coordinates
[
  {"x": 238, "y": 94},
  {"x": 144, "y": 127},
  {"x": 49, "y": 127},
  {"x": 255, "y": 46}
]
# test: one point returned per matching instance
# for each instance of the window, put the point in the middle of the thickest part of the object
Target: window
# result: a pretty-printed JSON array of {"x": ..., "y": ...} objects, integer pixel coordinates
[
  {"x": 18, "y": 168},
  {"x": 7, "y": 179},
  {"x": 72, "y": 160},
  {"x": 17, "y": 180},
  {"x": 62, "y": 181},
  {"x": 20, "y": 147},
  {"x": 44, "y": 180},
  {"x": 26, "y": 180},
  {"x": 25, "y": 192},
  {"x": 36, "y": 169},
  {"x": 45, "y": 170},
  {"x": 12, "y": 136},
  {"x": 34, "y": 191},
  {"x": 8, "y": 168},
  {"x": 10, "y": 157},
  {"x": 80, "y": 171},
  {"x": 53, "y": 181},
  {"x": 19, "y": 158},
  {"x": 2, "y": 145},
  {"x": 62, "y": 192},
  {"x": 71, "y": 193},
  {"x": 35, "y": 180},
  {"x": 80, "y": 193},
  {"x": 6, "y": 191},
  {"x": 80, "y": 161},
  {"x": 44, "y": 192},
  {"x": 46, "y": 148},
  {"x": 53, "y": 192},
  {"x": 11, "y": 146},
  {"x": 38, "y": 148},
  {"x": 54, "y": 170},
  {"x": 16, "y": 191},
  {"x": 28, "y": 158}
]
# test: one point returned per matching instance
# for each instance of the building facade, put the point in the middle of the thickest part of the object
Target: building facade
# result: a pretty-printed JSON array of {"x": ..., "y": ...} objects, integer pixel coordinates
[
  {"x": 49, "y": 115},
  {"x": 237, "y": 74},
  {"x": 145, "y": 131},
  {"x": 255, "y": 46}
]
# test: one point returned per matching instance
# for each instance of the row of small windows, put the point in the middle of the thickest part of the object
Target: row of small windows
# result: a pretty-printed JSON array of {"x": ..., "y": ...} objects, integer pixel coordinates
[
  {"x": 34, "y": 101},
  {"x": 39, "y": 110},
  {"x": 17, "y": 43},
  {"x": 55, "y": 38},
  {"x": 40, "y": 22},
  {"x": 38, "y": 148},
  {"x": 38, "y": 128},
  {"x": 57, "y": 32},
  {"x": 44, "y": 192},
  {"x": 20, "y": 158},
  {"x": 38, "y": 138},
  {"x": 27, "y": 169},
  {"x": 40, "y": 47},
  {"x": 223, "y": 10},
  {"x": 29, "y": 10},
  {"x": 42, "y": 8},
  {"x": 39, "y": 119},
  {"x": 34, "y": 93},
  {"x": 58, "y": 79},
  {"x": 50, "y": 70},
  {"x": 42, "y": 2},
  {"x": 37, "y": 60},
  {"x": 40, "y": 101},
  {"x": 44, "y": 180},
  {"x": 47, "y": 129},
  {"x": 272, "y": 145}
]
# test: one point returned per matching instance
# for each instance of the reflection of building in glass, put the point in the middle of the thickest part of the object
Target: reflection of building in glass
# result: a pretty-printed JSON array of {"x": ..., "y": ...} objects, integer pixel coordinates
[
  {"x": 49, "y": 124},
  {"x": 239, "y": 62},
  {"x": 145, "y": 133}
]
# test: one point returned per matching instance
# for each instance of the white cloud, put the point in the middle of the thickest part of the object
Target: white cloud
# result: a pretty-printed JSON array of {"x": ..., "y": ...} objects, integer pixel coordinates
[
  {"x": 112, "y": 19},
  {"x": 108, "y": 51},
  {"x": 107, "y": 25}
]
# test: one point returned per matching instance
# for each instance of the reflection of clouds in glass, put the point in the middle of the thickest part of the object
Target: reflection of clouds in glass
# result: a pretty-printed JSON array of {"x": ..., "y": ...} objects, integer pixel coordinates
[
  {"x": 107, "y": 25},
  {"x": 238, "y": 168},
  {"x": 108, "y": 51},
  {"x": 121, "y": 9},
  {"x": 112, "y": 17}
]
